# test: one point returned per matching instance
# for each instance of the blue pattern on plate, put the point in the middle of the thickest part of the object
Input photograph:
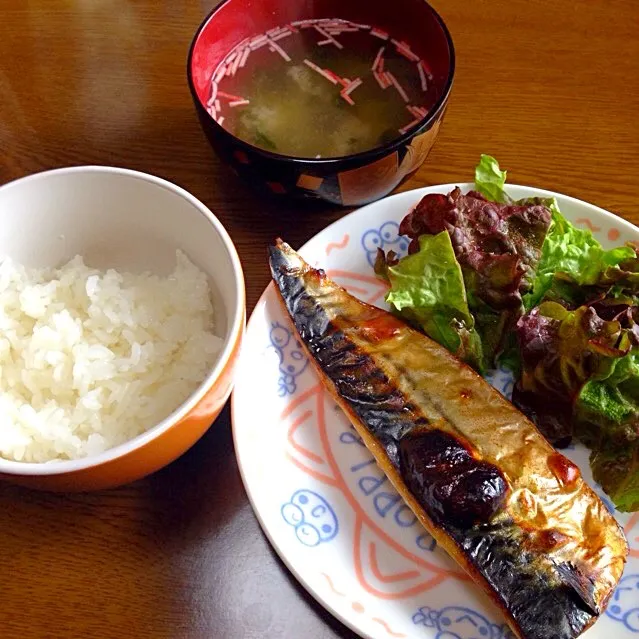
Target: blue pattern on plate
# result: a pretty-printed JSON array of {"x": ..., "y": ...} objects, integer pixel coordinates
[
  {"x": 293, "y": 361},
  {"x": 502, "y": 379},
  {"x": 624, "y": 605},
  {"x": 457, "y": 622},
  {"x": 385, "y": 237},
  {"x": 386, "y": 502},
  {"x": 312, "y": 517},
  {"x": 426, "y": 542},
  {"x": 315, "y": 521}
]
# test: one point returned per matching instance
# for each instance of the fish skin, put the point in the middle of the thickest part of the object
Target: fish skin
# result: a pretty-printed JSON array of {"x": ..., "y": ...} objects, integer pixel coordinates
[{"x": 551, "y": 554}]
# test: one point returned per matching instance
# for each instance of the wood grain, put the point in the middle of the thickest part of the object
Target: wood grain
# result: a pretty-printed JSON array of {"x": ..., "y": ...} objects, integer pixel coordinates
[{"x": 550, "y": 88}]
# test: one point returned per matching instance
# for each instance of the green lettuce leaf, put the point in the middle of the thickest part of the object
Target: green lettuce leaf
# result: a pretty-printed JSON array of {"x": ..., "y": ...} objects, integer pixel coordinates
[
  {"x": 610, "y": 403},
  {"x": 427, "y": 289},
  {"x": 570, "y": 254},
  {"x": 617, "y": 471},
  {"x": 607, "y": 416},
  {"x": 562, "y": 350},
  {"x": 603, "y": 402},
  {"x": 572, "y": 355},
  {"x": 581, "y": 372},
  {"x": 490, "y": 180},
  {"x": 510, "y": 357}
]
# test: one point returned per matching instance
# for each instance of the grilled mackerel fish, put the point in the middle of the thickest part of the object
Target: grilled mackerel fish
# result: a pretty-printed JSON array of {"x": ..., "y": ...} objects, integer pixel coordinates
[{"x": 515, "y": 513}]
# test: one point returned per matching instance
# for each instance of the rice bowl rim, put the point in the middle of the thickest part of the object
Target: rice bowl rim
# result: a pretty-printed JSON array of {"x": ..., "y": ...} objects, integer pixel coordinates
[{"x": 55, "y": 467}]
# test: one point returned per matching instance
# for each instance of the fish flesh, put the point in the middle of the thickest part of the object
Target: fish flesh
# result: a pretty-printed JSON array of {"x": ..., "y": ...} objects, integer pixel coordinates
[{"x": 516, "y": 514}]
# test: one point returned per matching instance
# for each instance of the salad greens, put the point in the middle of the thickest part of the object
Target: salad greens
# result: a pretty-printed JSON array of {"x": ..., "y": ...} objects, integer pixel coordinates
[
  {"x": 567, "y": 250},
  {"x": 607, "y": 411},
  {"x": 428, "y": 288},
  {"x": 490, "y": 180},
  {"x": 513, "y": 283},
  {"x": 574, "y": 253},
  {"x": 496, "y": 246},
  {"x": 617, "y": 470}
]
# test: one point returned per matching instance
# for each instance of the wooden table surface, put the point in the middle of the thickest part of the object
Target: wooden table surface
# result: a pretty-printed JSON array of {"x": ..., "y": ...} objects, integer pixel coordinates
[{"x": 550, "y": 88}]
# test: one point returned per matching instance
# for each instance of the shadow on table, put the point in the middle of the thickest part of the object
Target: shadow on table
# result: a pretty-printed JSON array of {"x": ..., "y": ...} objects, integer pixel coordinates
[
  {"x": 182, "y": 544},
  {"x": 203, "y": 488},
  {"x": 337, "y": 626},
  {"x": 204, "y": 480}
]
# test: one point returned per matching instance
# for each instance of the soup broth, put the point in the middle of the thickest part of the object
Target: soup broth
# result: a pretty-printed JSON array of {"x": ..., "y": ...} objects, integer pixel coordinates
[{"x": 321, "y": 88}]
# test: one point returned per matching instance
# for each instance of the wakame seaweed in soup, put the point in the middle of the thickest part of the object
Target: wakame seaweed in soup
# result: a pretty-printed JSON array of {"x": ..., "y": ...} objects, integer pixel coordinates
[{"x": 321, "y": 88}]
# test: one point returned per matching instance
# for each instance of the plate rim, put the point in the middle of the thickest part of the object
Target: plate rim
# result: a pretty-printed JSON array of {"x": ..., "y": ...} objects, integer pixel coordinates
[{"x": 418, "y": 193}]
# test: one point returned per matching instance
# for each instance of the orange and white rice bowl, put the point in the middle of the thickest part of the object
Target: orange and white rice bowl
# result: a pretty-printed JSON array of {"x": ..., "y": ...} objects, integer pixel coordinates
[{"x": 121, "y": 316}]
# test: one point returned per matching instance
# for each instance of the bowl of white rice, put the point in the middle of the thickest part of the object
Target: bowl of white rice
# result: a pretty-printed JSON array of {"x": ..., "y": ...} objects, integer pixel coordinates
[{"x": 121, "y": 316}]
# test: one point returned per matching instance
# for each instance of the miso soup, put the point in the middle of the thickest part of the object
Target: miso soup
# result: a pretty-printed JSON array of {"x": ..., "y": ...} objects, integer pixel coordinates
[{"x": 321, "y": 88}]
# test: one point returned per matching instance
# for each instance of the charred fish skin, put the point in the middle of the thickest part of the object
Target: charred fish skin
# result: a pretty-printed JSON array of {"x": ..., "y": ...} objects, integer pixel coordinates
[
  {"x": 464, "y": 497},
  {"x": 370, "y": 394}
]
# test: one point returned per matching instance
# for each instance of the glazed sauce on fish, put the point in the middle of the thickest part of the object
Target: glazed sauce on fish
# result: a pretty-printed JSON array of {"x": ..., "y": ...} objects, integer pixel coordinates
[
  {"x": 563, "y": 469},
  {"x": 381, "y": 328}
]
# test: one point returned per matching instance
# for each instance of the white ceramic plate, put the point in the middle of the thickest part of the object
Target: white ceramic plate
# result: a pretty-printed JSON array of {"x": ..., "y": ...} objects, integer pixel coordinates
[{"x": 319, "y": 496}]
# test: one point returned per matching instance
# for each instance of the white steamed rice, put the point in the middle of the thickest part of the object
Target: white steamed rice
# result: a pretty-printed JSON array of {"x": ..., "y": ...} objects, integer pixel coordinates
[{"x": 90, "y": 359}]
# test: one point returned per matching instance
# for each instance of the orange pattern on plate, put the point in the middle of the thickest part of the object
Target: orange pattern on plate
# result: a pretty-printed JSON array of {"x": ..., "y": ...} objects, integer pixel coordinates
[
  {"x": 370, "y": 542},
  {"x": 584, "y": 221},
  {"x": 332, "y": 586},
  {"x": 338, "y": 245},
  {"x": 359, "y": 608},
  {"x": 388, "y": 579},
  {"x": 298, "y": 447},
  {"x": 388, "y": 628}
]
